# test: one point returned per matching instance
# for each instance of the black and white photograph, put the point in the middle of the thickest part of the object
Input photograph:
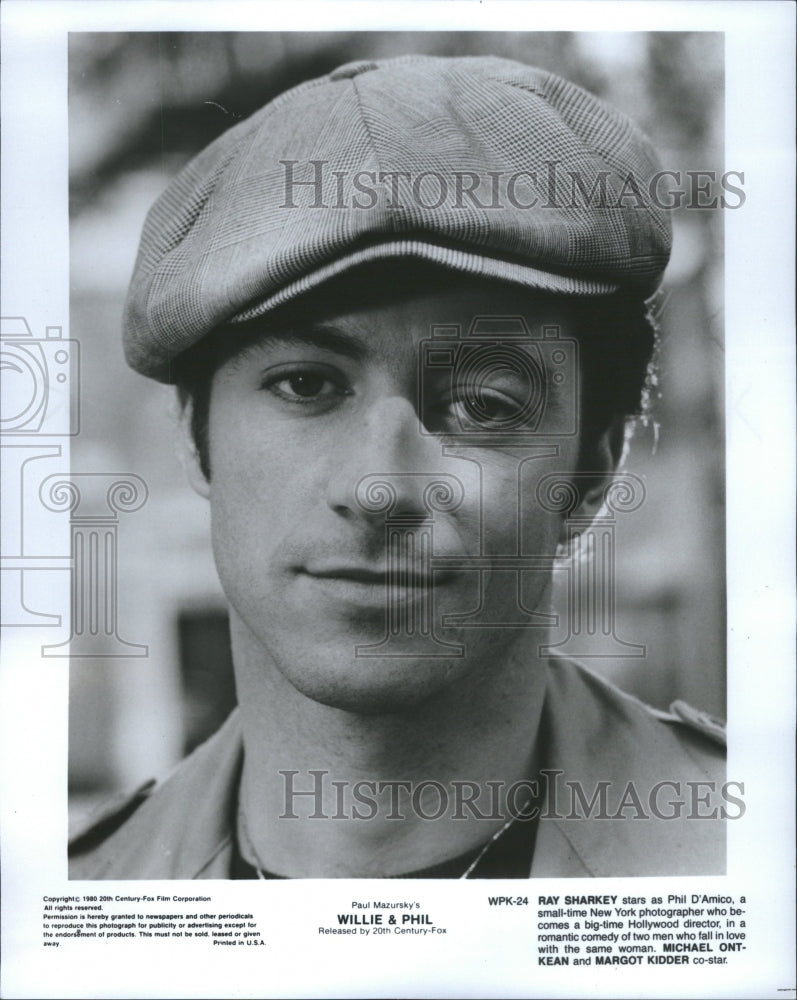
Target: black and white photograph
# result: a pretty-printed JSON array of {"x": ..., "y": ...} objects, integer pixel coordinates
[
  {"x": 413, "y": 310},
  {"x": 378, "y": 511}
]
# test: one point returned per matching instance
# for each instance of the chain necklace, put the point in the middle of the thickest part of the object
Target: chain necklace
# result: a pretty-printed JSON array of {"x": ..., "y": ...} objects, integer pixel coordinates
[{"x": 489, "y": 845}]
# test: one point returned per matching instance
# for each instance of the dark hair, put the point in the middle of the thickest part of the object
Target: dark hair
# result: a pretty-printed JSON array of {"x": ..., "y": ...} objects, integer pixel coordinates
[{"x": 616, "y": 334}]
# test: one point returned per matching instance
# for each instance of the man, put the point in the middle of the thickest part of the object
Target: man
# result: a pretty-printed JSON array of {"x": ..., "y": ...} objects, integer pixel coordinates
[{"x": 405, "y": 309}]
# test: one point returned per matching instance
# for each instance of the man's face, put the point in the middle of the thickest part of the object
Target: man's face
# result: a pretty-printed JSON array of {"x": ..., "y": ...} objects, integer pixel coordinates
[{"x": 304, "y": 426}]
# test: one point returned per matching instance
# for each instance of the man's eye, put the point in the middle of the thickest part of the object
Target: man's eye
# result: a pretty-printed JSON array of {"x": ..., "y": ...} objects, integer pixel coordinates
[
  {"x": 304, "y": 385},
  {"x": 474, "y": 411},
  {"x": 486, "y": 409}
]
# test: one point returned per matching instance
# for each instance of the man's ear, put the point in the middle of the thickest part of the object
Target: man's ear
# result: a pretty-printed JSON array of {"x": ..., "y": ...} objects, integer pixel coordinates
[
  {"x": 187, "y": 451},
  {"x": 598, "y": 463}
]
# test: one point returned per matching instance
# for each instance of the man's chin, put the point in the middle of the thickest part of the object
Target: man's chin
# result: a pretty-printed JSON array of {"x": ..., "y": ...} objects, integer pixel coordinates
[{"x": 377, "y": 685}]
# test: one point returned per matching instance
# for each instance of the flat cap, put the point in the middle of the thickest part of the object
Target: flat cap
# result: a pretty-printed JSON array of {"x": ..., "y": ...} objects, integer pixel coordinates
[{"x": 480, "y": 165}]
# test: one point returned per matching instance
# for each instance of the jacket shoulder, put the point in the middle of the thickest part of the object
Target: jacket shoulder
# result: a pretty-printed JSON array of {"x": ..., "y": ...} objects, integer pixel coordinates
[
  {"x": 181, "y": 827},
  {"x": 649, "y": 764},
  {"x": 107, "y": 818},
  {"x": 684, "y": 716},
  {"x": 614, "y": 717}
]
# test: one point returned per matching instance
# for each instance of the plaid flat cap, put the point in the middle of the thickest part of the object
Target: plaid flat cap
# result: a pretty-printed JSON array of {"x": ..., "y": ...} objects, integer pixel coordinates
[{"x": 481, "y": 165}]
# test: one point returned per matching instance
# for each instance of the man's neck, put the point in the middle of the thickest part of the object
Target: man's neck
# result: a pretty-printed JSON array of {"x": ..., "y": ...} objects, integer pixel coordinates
[{"x": 332, "y": 793}]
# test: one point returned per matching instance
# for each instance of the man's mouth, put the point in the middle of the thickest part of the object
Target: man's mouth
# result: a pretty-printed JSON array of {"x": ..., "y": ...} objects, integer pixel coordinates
[
  {"x": 374, "y": 585},
  {"x": 390, "y": 576}
]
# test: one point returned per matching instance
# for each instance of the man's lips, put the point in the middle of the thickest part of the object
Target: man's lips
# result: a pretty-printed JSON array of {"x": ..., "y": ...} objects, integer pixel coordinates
[
  {"x": 401, "y": 576},
  {"x": 372, "y": 587}
]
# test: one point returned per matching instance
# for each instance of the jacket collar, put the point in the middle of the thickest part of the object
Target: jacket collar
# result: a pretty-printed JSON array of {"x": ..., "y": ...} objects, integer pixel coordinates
[
  {"x": 600, "y": 738},
  {"x": 592, "y": 734}
]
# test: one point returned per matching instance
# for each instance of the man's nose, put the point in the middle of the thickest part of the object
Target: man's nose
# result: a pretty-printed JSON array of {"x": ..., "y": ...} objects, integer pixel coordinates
[{"x": 383, "y": 463}]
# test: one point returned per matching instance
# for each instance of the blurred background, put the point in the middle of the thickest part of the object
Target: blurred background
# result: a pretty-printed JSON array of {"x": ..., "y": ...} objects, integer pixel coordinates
[{"x": 140, "y": 106}]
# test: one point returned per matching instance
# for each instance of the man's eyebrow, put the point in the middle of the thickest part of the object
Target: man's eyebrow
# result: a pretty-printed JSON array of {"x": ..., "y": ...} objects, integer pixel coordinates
[{"x": 323, "y": 336}]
